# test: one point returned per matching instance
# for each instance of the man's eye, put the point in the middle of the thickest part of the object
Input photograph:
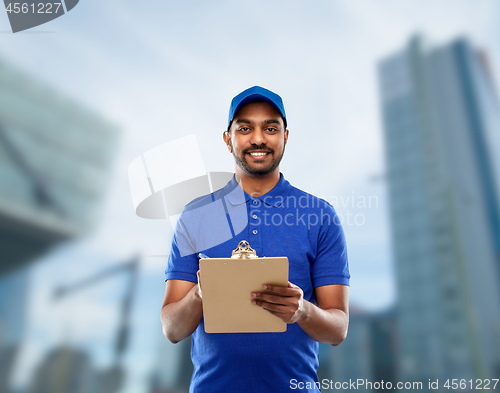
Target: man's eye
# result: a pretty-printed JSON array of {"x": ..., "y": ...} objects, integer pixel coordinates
[
  {"x": 271, "y": 129},
  {"x": 244, "y": 129}
]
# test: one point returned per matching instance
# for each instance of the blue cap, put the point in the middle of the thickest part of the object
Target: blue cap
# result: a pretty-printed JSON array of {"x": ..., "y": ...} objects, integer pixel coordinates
[{"x": 253, "y": 94}]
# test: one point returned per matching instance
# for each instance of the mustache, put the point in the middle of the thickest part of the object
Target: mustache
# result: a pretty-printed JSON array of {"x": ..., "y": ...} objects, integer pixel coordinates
[{"x": 261, "y": 148}]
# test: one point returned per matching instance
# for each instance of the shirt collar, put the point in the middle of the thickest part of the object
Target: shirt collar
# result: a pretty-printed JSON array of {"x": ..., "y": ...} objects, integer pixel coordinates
[{"x": 274, "y": 197}]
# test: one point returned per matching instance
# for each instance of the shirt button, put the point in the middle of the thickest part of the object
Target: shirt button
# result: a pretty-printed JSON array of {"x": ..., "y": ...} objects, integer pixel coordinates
[
  {"x": 255, "y": 201},
  {"x": 255, "y": 231},
  {"x": 254, "y": 216}
]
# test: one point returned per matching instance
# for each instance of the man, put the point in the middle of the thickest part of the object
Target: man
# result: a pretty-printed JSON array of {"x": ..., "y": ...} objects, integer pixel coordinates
[{"x": 280, "y": 220}]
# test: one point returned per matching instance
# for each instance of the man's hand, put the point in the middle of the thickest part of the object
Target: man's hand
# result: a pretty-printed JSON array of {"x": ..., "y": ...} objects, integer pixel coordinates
[
  {"x": 327, "y": 322},
  {"x": 287, "y": 303}
]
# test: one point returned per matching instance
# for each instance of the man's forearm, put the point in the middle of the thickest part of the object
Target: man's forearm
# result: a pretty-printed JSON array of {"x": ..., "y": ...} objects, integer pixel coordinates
[
  {"x": 326, "y": 326},
  {"x": 180, "y": 319}
]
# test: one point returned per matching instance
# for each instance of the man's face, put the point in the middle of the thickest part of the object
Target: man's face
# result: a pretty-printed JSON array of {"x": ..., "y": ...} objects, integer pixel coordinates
[{"x": 257, "y": 138}]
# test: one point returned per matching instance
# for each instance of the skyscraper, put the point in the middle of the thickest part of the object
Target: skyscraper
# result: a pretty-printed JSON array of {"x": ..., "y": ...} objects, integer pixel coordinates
[
  {"x": 55, "y": 157},
  {"x": 13, "y": 292},
  {"x": 441, "y": 125},
  {"x": 369, "y": 353}
]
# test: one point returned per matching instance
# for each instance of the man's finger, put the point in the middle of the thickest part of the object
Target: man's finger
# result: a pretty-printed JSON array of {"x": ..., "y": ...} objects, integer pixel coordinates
[
  {"x": 283, "y": 291},
  {"x": 267, "y": 297},
  {"x": 275, "y": 308}
]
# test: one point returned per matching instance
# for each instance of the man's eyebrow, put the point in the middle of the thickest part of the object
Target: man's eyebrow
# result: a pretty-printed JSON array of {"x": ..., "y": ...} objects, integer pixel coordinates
[
  {"x": 272, "y": 121},
  {"x": 246, "y": 121}
]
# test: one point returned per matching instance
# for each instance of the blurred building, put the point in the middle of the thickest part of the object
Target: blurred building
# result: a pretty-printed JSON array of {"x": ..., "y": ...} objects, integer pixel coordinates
[
  {"x": 13, "y": 289},
  {"x": 54, "y": 162},
  {"x": 64, "y": 370},
  {"x": 441, "y": 123},
  {"x": 173, "y": 367},
  {"x": 13, "y": 292},
  {"x": 55, "y": 157},
  {"x": 369, "y": 351}
]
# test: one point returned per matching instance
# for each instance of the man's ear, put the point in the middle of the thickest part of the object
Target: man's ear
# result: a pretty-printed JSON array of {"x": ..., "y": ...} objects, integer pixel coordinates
[
  {"x": 227, "y": 139},
  {"x": 286, "y": 136}
]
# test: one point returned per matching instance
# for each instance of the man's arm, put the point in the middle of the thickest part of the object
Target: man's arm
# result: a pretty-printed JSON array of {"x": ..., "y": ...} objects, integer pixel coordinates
[
  {"x": 327, "y": 322},
  {"x": 181, "y": 310}
]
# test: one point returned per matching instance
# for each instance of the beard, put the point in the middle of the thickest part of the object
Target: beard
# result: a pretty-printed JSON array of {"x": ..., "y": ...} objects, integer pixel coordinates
[{"x": 261, "y": 170}]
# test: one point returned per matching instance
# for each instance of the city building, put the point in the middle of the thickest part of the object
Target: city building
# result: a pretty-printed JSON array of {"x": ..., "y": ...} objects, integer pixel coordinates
[
  {"x": 441, "y": 121},
  {"x": 64, "y": 370},
  {"x": 368, "y": 353},
  {"x": 13, "y": 292},
  {"x": 55, "y": 159},
  {"x": 173, "y": 367}
]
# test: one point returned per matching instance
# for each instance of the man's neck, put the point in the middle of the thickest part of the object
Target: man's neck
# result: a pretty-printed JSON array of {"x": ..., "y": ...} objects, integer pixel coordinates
[{"x": 257, "y": 185}]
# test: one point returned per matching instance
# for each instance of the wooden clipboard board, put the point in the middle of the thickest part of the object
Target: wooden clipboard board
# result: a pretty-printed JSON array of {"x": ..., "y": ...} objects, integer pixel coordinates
[{"x": 227, "y": 285}]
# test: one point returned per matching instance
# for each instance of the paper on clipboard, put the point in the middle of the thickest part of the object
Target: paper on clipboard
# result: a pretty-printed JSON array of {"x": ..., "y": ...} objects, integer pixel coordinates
[{"x": 227, "y": 284}]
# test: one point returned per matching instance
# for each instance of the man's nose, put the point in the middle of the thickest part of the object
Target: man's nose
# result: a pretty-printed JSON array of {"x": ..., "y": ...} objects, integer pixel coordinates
[{"x": 258, "y": 137}]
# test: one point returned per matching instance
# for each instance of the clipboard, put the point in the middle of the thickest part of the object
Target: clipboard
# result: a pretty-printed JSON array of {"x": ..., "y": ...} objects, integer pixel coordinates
[{"x": 227, "y": 285}]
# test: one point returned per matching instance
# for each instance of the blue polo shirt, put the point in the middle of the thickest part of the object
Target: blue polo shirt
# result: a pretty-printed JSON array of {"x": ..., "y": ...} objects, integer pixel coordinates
[{"x": 283, "y": 222}]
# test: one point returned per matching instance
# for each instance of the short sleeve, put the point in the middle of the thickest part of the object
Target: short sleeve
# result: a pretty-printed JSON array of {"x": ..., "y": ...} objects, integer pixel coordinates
[
  {"x": 331, "y": 264},
  {"x": 182, "y": 266}
]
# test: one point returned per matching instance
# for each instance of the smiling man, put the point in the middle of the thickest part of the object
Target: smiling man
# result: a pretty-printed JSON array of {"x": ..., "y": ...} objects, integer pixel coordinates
[{"x": 280, "y": 220}]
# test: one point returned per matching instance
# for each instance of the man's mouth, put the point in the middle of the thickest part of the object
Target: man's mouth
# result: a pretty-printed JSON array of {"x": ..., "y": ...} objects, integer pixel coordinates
[{"x": 259, "y": 153}]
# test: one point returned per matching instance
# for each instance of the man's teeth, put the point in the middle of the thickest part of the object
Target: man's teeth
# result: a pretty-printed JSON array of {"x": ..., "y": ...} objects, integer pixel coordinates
[{"x": 258, "y": 154}]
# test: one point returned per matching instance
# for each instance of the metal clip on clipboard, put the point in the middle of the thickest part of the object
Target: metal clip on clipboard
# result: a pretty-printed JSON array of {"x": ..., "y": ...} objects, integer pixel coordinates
[{"x": 244, "y": 251}]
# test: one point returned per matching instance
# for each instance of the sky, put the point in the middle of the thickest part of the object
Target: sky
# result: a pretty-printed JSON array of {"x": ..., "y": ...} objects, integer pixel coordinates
[{"x": 161, "y": 70}]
